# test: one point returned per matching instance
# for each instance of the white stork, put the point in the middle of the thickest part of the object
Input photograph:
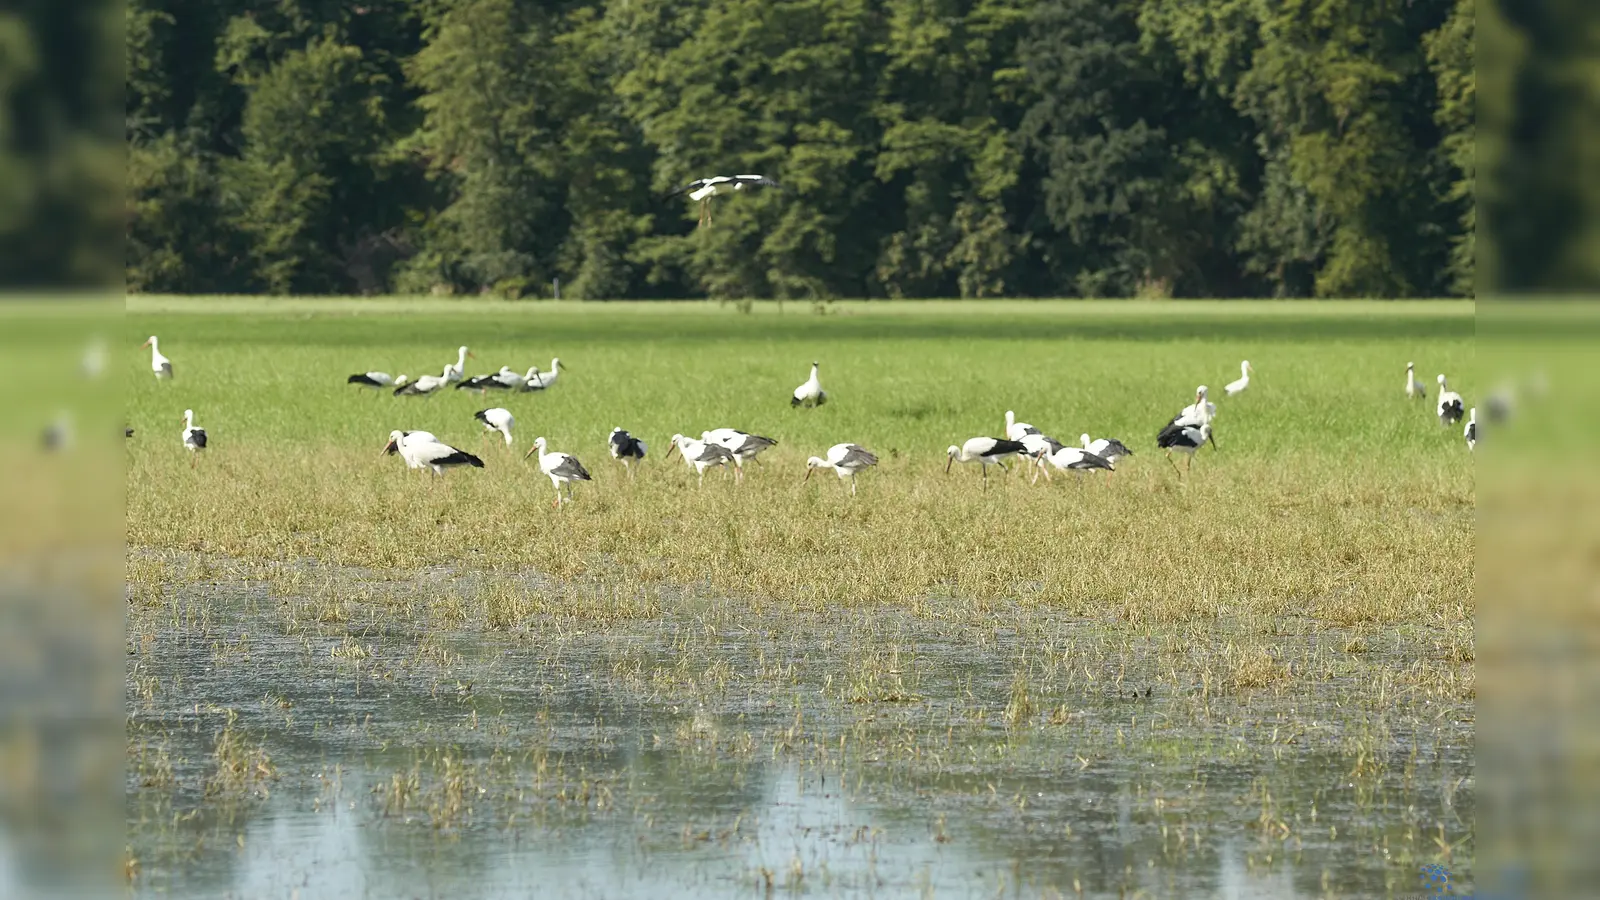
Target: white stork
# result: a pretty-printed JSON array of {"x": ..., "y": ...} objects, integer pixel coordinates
[
  {"x": 986, "y": 451},
  {"x": 421, "y": 437},
  {"x": 1471, "y": 431},
  {"x": 1185, "y": 439},
  {"x": 743, "y": 445},
  {"x": 700, "y": 455},
  {"x": 158, "y": 364},
  {"x": 504, "y": 379},
  {"x": 454, "y": 371},
  {"x": 1198, "y": 413},
  {"x": 1450, "y": 405},
  {"x": 1110, "y": 448},
  {"x": 540, "y": 381},
  {"x": 426, "y": 384},
  {"x": 1036, "y": 446},
  {"x": 701, "y": 190},
  {"x": 1074, "y": 459},
  {"x": 624, "y": 448},
  {"x": 1015, "y": 430},
  {"x": 1237, "y": 386},
  {"x": 562, "y": 468},
  {"x": 810, "y": 393},
  {"x": 421, "y": 450},
  {"x": 496, "y": 419},
  {"x": 193, "y": 438},
  {"x": 847, "y": 460},
  {"x": 371, "y": 379},
  {"x": 1415, "y": 389}
]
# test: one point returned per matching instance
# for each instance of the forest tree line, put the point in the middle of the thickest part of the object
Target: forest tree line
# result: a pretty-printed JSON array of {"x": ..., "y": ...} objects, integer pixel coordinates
[{"x": 971, "y": 148}]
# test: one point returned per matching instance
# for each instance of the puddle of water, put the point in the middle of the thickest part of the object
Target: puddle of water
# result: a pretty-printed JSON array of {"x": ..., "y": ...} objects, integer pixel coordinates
[{"x": 682, "y": 756}]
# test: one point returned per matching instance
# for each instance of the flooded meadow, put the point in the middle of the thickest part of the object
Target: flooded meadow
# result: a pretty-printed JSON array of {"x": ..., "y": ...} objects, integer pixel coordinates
[{"x": 304, "y": 730}]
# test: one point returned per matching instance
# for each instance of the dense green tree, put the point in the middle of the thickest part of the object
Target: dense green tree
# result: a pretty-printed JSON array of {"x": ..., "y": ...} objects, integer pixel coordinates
[{"x": 926, "y": 147}]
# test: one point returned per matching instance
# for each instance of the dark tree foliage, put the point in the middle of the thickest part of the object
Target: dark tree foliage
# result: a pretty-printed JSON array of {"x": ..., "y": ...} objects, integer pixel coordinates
[{"x": 971, "y": 148}]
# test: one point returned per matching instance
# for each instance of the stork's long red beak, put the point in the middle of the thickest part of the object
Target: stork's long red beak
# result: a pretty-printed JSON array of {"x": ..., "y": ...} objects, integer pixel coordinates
[
  {"x": 387, "y": 448},
  {"x": 144, "y": 345},
  {"x": 949, "y": 461},
  {"x": 809, "y": 470}
]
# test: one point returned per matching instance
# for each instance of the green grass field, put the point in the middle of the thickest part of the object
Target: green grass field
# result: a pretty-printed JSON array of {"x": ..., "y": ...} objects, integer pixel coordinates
[
  {"x": 1263, "y": 671},
  {"x": 1330, "y": 495}
]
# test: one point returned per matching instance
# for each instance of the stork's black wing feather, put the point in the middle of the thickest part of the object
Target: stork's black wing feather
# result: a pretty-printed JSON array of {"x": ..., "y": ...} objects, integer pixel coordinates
[
  {"x": 691, "y": 186},
  {"x": 198, "y": 438},
  {"x": 459, "y": 458},
  {"x": 1001, "y": 448}
]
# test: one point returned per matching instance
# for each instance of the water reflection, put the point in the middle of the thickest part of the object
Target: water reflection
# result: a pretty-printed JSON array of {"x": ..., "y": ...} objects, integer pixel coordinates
[{"x": 512, "y": 770}]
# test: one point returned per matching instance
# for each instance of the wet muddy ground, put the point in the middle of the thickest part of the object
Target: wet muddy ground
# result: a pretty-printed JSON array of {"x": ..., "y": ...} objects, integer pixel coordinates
[{"x": 367, "y": 738}]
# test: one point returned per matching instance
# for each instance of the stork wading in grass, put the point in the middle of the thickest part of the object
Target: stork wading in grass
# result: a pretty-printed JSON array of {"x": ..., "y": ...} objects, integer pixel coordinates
[
  {"x": 160, "y": 365},
  {"x": 703, "y": 189},
  {"x": 1072, "y": 459},
  {"x": 846, "y": 460},
  {"x": 1239, "y": 385},
  {"x": 1198, "y": 413},
  {"x": 1035, "y": 447},
  {"x": 454, "y": 371},
  {"x": 560, "y": 468},
  {"x": 423, "y": 386},
  {"x": 194, "y": 437},
  {"x": 810, "y": 393},
  {"x": 700, "y": 455},
  {"x": 505, "y": 379},
  {"x": 496, "y": 418},
  {"x": 1450, "y": 406},
  {"x": 1185, "y": 439},
  {"x": 1016, "y": 431},
  {"x": 542, "y": 381},
  {"x": 371, "y": 379},
  {"x": 986, "y": 451},
  {"x": 393, "y": 447},
  {"x": 1415, "y": 389},
  {"x": 1471, "y": 431},
  {"x": 743, "y": 445},
  {"x": 421, "y": 450},
  {"x": 625, "y": 448},
  {"x": 1109, "y": 448}
]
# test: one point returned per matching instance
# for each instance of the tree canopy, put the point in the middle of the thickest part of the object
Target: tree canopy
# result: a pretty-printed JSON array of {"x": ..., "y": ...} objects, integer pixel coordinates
[{"x": 969, "y": 148}]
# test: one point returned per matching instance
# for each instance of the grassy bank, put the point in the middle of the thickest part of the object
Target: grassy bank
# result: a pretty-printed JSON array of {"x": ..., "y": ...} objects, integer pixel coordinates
[{"x": 1331, "y": 495}]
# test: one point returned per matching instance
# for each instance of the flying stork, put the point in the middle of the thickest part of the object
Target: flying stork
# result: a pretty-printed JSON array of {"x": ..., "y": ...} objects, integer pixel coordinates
[{"x": 703, "y": 189}]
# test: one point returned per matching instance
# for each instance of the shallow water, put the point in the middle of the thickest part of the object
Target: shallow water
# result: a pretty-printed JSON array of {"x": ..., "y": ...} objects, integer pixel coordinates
[{"x": 713, "y": 752}]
